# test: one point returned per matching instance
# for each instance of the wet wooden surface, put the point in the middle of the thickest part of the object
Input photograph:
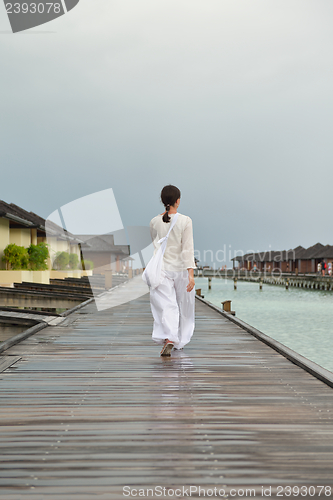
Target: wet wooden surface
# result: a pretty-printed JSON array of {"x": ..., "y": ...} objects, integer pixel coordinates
[{"x": 91, "y": 407}]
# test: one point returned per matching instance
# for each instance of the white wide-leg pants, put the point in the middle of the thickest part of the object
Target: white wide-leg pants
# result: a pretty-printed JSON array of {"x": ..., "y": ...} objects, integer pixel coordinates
[{"x": 173, "y": 309}]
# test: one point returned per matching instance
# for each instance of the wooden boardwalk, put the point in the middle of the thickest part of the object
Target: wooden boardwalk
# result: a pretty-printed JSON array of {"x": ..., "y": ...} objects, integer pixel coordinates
[{"x": 91, "y": 407}]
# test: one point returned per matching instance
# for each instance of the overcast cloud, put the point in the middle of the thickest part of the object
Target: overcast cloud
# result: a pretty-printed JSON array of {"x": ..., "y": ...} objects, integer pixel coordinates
[{"x": 229, "y": 100}]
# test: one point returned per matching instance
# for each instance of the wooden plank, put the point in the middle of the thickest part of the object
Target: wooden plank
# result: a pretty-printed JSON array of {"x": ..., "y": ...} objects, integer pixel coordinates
[
  {"x": 92, "y": 407},
  {"x": 7, "y": 361}
]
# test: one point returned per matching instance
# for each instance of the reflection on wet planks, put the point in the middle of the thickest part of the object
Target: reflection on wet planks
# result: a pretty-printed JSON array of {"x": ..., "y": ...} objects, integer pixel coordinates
[{"x": 91, "y": 407}]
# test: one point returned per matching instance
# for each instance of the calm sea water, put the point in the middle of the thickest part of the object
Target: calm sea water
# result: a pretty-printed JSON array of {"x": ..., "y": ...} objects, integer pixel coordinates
[{"x": 300, "y": 319}]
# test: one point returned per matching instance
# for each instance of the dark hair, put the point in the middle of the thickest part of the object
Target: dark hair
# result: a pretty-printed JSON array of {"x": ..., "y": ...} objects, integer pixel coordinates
[{"x": 169, "y": 195}]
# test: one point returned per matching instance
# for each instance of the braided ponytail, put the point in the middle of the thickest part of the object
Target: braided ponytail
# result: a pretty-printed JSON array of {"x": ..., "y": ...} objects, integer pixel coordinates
[
  {"x": 166, "y": 217},
  {"x": 169, "y": 195}
]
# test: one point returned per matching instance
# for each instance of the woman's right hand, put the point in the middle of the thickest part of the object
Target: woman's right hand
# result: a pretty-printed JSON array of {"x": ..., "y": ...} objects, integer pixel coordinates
[{"x": 191, "y": 284}]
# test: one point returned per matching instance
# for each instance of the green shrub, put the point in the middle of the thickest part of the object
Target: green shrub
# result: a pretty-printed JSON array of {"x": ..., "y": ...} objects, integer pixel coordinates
[
  {"x": 73, "y": 261},
  {"x": 61, "y": 261},
  {"x": 87, "y": 264},
  {"x": 15, "y": 257},
  {"x": 38, "y": 255}
]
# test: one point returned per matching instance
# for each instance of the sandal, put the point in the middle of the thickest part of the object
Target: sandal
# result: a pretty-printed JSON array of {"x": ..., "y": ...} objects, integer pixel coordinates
[{"x": 167, "y": 348}]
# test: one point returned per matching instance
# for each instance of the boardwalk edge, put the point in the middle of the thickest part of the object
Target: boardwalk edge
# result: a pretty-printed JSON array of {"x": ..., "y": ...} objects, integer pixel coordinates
[
  {"x": 36, "y": 328},
  {"x": 79, "y": 306},
  {"x": 22, "y": 336},
  {"x": 317, "y": 371}
]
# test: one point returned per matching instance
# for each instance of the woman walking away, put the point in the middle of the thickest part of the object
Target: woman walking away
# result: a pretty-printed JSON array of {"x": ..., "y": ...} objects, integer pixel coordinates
[{"x": 172, "y": 301}]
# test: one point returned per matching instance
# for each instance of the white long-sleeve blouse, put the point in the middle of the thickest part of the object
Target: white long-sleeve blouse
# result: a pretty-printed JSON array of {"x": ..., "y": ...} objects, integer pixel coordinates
[{"x": 179, "y": 253}]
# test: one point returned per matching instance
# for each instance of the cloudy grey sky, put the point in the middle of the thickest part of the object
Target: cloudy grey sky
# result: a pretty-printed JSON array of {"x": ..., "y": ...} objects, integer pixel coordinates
[{"x": 230, "y": 100}]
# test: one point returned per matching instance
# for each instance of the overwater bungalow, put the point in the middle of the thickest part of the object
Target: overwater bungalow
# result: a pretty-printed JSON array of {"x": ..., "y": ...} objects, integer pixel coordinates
[{"x": 296, "y": 260}]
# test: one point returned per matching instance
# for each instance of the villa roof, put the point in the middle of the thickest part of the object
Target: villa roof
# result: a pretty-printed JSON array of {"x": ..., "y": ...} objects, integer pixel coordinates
[
  {"x": 312, "y": 252},
  {"x": 30, "y": 219},
  {"x": 299, "y": 252},
  {"x": 326, "y": 252},
  {"x": 11, "y": 212},
  {"x": 29, "y": 216},
  {"x": 102, "y": 243}
]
